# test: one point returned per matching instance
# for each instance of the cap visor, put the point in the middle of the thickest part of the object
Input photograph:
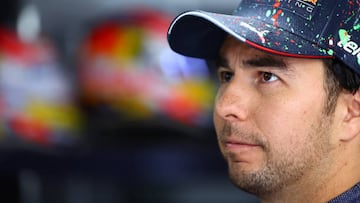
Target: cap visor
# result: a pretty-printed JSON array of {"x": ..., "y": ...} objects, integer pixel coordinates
[{"x": 200, "y": 34}]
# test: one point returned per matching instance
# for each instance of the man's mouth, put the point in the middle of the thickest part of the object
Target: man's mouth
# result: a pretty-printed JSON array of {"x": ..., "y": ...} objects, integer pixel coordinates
[{"x": 238, "y": 145}]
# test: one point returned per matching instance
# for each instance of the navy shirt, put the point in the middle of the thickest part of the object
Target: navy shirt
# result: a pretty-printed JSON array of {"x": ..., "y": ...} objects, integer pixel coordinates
[{"x": 350, "y": 196}]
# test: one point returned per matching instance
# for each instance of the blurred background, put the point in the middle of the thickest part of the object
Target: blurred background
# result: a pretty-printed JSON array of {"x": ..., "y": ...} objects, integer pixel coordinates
[{"x": 96, "y": 108}]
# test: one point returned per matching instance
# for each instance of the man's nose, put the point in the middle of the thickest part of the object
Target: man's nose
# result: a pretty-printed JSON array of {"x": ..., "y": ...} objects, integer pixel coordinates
[{"x": 233, "y": 102}]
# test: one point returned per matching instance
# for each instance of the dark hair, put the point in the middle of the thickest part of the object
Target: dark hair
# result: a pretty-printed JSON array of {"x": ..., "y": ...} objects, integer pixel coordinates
[
  {"x": 338, "y": 77},
  {"x": 348, "y": 79}
]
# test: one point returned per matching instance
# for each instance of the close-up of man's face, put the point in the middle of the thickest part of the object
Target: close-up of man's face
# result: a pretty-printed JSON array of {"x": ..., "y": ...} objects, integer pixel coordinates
[
  {"x": 287, "y": 107},
  {"x": 271, "y": 118}
]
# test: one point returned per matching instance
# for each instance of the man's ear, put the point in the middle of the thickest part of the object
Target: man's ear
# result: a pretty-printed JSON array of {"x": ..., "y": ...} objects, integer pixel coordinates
[{"x": 352, "y": 118}]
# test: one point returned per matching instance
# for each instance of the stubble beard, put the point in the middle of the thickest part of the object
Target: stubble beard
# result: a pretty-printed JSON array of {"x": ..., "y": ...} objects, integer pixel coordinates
[{"x": 281, "y": 170}]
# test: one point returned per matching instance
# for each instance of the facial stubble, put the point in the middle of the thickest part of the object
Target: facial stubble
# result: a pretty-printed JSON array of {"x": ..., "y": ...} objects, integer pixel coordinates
[{"x": 280, "y": 168}]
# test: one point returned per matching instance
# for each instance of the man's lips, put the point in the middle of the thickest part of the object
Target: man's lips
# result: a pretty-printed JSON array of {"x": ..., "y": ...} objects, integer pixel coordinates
[
  {"x": 237, "y": 145},
  {"x": 240, "y": 151}
]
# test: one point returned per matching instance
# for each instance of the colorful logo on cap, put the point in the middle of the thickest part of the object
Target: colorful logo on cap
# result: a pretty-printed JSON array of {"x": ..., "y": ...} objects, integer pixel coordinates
[
  {"x": 306, "y": 5},
  {"x": 311, "y": 1},
  {"x": 351, "y": 47}
]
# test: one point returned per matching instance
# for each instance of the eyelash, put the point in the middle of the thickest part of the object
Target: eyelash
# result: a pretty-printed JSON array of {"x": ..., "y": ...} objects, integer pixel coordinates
[
  {"x": 226, "y": 76},
  {"x": 269, "y": 80}
]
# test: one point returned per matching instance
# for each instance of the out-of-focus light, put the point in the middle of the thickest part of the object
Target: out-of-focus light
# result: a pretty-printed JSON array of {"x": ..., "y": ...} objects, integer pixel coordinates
[
  {"x": 126, "y": 64},
  {"x": 29, "y": 25},
  {"x": 36, "y": 100}
]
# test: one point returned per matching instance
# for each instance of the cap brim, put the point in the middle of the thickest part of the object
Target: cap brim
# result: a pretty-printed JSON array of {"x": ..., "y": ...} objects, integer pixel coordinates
[{"x": 200, "y": 34}]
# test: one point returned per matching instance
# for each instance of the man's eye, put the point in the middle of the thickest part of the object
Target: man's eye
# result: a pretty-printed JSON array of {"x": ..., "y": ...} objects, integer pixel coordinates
[
  {"x": 268, "y": 77},
  {"x": 225, "y": 76}
]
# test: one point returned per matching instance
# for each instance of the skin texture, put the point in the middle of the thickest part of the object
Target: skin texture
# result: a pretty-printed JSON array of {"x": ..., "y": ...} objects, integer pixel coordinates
[{"x": 273, "y": 129}]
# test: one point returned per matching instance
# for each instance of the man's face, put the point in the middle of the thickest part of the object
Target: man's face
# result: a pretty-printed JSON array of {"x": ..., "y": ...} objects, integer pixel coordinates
[{"x": 270, "y": 119}]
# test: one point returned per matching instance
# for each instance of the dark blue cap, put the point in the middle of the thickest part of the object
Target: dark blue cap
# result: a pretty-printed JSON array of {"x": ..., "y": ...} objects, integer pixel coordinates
[{"x": 295, "y": 28}]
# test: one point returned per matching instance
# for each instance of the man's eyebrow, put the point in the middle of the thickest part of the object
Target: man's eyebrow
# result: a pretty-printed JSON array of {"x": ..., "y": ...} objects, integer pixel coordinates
[
  {"x": 221, "y": 61},
  {"x": 255, "y": 62},
  {"x": 265, "y": 61}
]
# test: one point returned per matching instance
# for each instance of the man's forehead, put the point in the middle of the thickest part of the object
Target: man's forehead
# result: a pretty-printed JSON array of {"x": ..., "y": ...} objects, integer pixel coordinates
[{"x": 233, "y": 47}]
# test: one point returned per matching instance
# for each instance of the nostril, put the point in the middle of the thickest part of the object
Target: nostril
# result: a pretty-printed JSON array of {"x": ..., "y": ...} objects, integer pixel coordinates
[{"x": 231, "y": 117}]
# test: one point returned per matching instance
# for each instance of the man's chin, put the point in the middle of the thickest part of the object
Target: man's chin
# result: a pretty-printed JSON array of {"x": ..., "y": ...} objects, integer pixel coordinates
[
  {"x": 243, "y": 168},
  {"x": 249, "y": 179}
]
